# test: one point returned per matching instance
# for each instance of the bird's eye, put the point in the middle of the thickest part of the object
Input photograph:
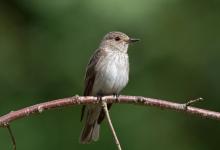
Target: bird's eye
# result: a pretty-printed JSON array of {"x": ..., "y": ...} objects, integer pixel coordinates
[{"x": 117, "y": 38}]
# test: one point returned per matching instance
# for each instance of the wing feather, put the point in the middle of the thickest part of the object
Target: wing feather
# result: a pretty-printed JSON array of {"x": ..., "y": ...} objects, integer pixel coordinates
[{"x": 90, "y": 75}]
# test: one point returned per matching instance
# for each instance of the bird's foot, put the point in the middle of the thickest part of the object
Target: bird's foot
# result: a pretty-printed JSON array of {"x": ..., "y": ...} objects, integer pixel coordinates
[
  {"x": 116, "y": 96},
  {"x": 99, "y": 98}
]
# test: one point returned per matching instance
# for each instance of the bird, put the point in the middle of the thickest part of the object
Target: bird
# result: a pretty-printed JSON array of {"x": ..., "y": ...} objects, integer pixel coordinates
[{"x": 107, "y": 73}]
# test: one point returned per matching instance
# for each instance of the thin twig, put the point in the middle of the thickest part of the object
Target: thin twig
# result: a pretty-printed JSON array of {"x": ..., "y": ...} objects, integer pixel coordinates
[
  {"x": 81, "y": 100},
  {"x": 104, "y": 105},
  {"x": 12, "y": 137},
  {"x": 190, "y": 102}
]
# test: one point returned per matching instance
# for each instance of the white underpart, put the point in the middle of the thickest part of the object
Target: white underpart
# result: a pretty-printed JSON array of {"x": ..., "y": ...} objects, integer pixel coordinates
[{"x": 112, "y": 76}]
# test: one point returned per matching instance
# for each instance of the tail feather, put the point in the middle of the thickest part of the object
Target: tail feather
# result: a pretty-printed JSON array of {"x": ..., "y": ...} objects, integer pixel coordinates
[
  {"x": 95, "y": 132},
  {"x": 90, "y": 132},
  {"x": 86, "y": 134}
]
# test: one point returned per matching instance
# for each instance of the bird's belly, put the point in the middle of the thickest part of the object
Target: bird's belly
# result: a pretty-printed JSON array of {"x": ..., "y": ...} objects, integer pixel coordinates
[{"x": 112, "y": 77}]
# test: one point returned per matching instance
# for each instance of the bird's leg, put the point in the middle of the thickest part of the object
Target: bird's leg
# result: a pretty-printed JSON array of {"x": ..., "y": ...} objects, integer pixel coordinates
[
  {"x": 99, "y": 98},
  {"x": 116, "y": 96}
]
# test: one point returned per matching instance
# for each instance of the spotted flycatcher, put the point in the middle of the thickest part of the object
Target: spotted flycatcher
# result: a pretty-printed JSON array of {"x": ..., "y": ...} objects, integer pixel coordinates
[{"x": 106, "y": 74}]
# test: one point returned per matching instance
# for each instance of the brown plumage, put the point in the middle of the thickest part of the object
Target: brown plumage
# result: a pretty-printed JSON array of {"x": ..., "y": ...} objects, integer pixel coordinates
[{"x": 106, "y": 74}]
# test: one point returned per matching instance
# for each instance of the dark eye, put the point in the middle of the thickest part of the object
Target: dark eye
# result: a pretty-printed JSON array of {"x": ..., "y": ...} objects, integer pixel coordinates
[{"x": 117, "y": 38}]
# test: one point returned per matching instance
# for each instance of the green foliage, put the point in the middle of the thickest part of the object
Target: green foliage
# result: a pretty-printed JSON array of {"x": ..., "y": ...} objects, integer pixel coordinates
[{"x": 45, "y": 46}]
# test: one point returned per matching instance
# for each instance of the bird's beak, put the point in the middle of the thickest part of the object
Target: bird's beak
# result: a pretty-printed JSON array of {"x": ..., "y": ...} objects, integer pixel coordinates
[{"x": 132, "y": 40}]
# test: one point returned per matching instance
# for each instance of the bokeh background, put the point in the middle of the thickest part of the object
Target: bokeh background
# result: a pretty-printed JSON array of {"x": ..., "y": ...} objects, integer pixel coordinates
[{"x": 44, "y": 49}]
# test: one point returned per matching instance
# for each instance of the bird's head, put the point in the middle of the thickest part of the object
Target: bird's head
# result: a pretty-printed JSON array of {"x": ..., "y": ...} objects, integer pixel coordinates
[{"x": 117, "y": 41}]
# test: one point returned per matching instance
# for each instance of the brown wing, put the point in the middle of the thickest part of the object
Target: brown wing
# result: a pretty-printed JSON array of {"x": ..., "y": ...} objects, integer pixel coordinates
[{"x": 90, "y": 76}]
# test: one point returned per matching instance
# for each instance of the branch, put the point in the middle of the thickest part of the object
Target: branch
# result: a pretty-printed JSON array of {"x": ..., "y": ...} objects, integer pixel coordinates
[
  {"x": 12, "y": 137},
  {"x": 80, "y": 100},
  {"x": 105, "y": 107}
]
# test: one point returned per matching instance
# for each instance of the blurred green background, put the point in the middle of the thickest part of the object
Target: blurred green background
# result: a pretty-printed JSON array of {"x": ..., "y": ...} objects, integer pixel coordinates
[{"x": 44, "y": 49}]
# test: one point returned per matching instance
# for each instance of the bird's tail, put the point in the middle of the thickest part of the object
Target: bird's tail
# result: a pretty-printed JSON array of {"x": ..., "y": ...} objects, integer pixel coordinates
[{"x": 90, "y": 131}]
